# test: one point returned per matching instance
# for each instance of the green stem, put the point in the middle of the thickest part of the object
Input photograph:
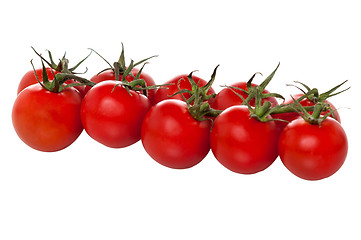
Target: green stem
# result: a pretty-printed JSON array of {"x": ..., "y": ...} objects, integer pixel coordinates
[
  {"x": 62, "y": 77},
  {"x": 213, "y": 113},
  {"x": 262, "y": 110},
  {"x": 289, "y": 109},
  {"x": 204, "y": 107},
  {"x": 318, "y": 108},
  {"x": 139, "y": 82}
]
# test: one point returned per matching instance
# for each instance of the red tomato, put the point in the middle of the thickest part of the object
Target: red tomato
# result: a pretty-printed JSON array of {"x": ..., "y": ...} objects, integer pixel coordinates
[
  {"x": 227, "y": 98},
  {"x": 163, "y": 93},
  {"x": 312, "y": 152},
  {"x": 47, "y": 121},
  {"x": 110, "y": 75},
  {"x": 29, "y": 79},
  {"x": 243, "y": 144},
  {"x": 113, "y": 116},
  {"x": 172, "y": 137},
  {"x": 294, "y": 115}
]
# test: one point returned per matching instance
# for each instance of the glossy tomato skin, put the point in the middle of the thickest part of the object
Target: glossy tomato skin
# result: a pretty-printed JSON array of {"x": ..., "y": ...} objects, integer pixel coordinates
[
  {"x": 289, "y": 117},
  {"x": 172, "y": 137},
  {"x": 243, "y": 144},
  {"x": 109, "y": 75},
  {"x": 29, "y": 79},
  {"x": 312, "y": 152},
  {"x": 163, "y": 93},
  {"x": 112, "y": 116},
  {"x": 47, "y": 121},
  {"x": 227, "y": 98}
]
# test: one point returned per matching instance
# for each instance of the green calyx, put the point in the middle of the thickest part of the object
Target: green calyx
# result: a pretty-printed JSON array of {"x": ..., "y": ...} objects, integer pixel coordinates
[
  {"x": 121, "y": 69},
  {"x": 64, "y": 73},
  {"x": 315, "y": 117},
  {"x": 320, "y": 107},
  {"x": 57, "y": 84},
  {"x": 262, "y": 109},
  {"x": 197, "y": 103},
  {"x": 121, "y": 64},
  {"x": 313, "y": 94},
  {"x": 252, "y": 91},
  {"x": 137, "y": 84}
]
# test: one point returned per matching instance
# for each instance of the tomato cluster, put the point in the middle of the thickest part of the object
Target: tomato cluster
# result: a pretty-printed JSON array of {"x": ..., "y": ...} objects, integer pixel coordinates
[{"x": 179, "y": 122}]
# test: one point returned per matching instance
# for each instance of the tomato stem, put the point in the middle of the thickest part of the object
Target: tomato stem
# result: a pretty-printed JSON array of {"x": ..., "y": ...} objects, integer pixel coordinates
[
  {"x": 263, "y": 110},
  {"x": 63, "y": 77},
  {"x": 318, "y": 108}
]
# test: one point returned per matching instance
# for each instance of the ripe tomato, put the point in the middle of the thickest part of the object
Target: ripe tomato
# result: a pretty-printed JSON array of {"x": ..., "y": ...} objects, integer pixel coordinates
[
  {"x": 243, "y": 144},
  {"x": 110, "y": 75},
  {"x": 163, "y": 93},
  {"x": 313, "y": 152},
  {"x": 47, "y": 121},
  {"x": 29, "y": 79},
  {"x": 227, "y": 98},
  {"x": 294, "y": 115},
  {"x": 113, "y": 116},
  {"x": 172, "y": 137}
]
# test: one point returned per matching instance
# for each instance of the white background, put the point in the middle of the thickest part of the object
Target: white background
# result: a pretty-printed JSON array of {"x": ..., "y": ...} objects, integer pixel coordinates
[{"x": 89, "y": 191}]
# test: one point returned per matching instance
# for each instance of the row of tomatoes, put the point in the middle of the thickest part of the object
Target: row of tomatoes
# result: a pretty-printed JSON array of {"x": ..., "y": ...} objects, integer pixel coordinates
[{"x": 117, "y": 116}]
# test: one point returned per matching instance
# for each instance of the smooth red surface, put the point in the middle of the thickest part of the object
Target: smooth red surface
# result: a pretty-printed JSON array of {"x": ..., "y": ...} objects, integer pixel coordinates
[
  {"x": 243, "y": 144},
  {"x": 47, "y": 121},
  {"x": 312, "y": 152},
  {"x": 112, "y": 115},
  {"x": 172, "y": 137}
]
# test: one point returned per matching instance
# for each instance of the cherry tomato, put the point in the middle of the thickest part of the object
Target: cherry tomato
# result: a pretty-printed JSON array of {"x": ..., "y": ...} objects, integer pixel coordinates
[
  {"x": 294, "y": 115},
  {"x": 29, "y": 79},
  {"x": 110, "y": 75},
  {"x": 227, "y": 98},
  {"x": 243, "y": 144},
  {"x": 47, "y": 121},
  {"x": 172, "y": 137},
  {"x": 164, "y": 93},
  {"x": 113, "y": 116},
  {"x": 313, "y": 152}
]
